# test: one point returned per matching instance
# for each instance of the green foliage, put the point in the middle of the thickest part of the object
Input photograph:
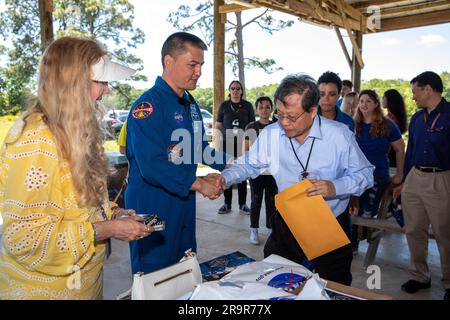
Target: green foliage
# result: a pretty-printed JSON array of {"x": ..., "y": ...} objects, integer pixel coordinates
[
  {"x": 446, "y": 80},
  {"x": 402, "y": 86},
  {"x": 256, "y": 92},
  {"x": 110, "y": 22},
  {"x": 202, "y": 19},
  {"x": 122, "y": 96},
  {"x": 204, "y": 98},
  {"x": 16, "y": 77}
]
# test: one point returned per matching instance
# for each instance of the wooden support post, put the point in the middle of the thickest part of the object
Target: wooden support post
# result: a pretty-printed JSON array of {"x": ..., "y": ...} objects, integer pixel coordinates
[
  {"x": 356, "y": 47},
  {"x": 219, "y": 58},
  {"x": 46, "y": 20},
  {"x": 356, "y": 67},
  {"x": 344, "y": 48}
]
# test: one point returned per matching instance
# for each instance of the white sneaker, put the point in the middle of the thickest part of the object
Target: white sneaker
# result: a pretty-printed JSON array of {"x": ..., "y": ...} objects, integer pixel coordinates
[{"x": 254, "y": 239}]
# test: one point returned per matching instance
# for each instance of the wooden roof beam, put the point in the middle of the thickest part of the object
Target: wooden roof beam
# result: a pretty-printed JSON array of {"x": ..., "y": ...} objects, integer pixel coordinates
[
  {"x": 229, "y": 8},
  {"x": 303, "y": 7},
  {"x": 343, "y": 47},
  {"x": 316, "y": 6},
  {"x": 244, "y": 3},
  {"x": 305, "y": 12},
  {"x": 350, "y": 34},
  {"x": 419, "y": 20},
  {"x": 349, "y": 10},
  {"x": 410, "y": 8},
  {"x": 362, "y": 5}
]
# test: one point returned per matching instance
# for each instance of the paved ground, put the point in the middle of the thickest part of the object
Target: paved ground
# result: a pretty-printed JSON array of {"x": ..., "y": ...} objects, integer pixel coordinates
[{"x": 221, "y": 234}]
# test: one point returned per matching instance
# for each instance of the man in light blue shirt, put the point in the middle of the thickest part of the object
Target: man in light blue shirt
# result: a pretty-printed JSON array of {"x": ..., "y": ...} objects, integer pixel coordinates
[{"x": 303, "y": 145}]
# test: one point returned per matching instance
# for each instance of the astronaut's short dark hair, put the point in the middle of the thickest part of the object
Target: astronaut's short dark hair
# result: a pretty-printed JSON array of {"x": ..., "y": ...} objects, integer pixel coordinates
[{"x": 176, "y": 44}]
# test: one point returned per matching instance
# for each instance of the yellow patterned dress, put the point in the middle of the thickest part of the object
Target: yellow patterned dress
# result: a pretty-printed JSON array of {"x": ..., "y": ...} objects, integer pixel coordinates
[{"x": 47, "y": 247}]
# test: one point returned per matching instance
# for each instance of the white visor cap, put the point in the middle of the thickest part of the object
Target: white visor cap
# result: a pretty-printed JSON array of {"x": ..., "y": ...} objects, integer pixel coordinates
[{"x": 106, "y": 70}]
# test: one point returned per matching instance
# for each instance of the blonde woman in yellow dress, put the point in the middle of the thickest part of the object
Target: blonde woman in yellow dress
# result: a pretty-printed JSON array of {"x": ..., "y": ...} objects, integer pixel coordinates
[{"x": 53, "y": 171}]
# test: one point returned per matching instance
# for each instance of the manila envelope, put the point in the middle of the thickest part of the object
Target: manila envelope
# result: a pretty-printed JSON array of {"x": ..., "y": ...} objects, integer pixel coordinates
[{"x": 310, "y": 220}]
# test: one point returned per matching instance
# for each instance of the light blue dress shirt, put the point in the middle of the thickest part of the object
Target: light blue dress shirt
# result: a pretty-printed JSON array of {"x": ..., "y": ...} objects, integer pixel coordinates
[{"x": 335, "y": 157}]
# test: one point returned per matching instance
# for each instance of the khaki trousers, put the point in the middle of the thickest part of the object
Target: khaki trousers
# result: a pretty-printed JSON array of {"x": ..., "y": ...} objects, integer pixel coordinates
[{"x": 425, "y": 201}]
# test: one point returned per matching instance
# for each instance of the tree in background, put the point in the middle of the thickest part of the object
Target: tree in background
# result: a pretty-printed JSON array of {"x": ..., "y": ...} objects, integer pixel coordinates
[
  {"x": 202, "y": 18},
  {"x": 204, "y": 96},
  {"x": 404, "y": 87},
  {"x": 110, "y": 22},
  {"x": 446, "y": 80}
]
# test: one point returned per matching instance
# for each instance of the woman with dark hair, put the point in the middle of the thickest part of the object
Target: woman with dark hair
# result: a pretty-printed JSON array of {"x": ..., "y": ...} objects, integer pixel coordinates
[
  {"x": 233, "y": 116},
  {"x": 394, "y": 103},
  {"x": 375, "y": 134}
]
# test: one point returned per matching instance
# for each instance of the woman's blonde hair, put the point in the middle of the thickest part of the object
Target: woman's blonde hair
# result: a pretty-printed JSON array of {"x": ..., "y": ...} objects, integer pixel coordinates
[
  {"x": 380, "y": 126},
  {"x": 64, "y": 99}
]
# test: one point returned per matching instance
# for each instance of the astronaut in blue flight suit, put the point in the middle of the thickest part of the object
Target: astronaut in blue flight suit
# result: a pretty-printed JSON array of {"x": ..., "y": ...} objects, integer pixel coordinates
[{"x": 164, "y": 144}]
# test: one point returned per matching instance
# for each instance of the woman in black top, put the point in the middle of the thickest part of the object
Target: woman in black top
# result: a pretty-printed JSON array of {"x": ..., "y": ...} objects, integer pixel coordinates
[{"x": 233, "y": 116}]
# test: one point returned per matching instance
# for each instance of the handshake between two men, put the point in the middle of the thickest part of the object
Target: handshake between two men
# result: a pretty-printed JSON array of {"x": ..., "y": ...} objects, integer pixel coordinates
[
  {"x": 213, "y": 185},
  {"x": 210, "y": 186}
]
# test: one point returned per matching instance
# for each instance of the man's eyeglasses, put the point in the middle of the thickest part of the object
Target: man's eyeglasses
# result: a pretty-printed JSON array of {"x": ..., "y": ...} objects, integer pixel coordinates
[
  {"x": 291, "y": 119},
  {"x": 235, "y": 88},
  {"x": 105, "y": 83}
]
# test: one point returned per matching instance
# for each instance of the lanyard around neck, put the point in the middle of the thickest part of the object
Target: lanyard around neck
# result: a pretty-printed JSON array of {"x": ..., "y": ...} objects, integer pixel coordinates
[
  {"x": 433, "y": 124},
  {"x": 305, "y": 173},
  {"x": 238, "y": 108}
]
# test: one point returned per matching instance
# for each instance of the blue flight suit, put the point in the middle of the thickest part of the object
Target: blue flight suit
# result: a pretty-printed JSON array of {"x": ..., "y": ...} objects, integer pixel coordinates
[{"x": 158, "y": 183}]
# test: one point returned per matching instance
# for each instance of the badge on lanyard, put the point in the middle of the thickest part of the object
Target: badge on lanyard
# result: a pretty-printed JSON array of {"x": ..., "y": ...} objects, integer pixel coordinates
[
  {"x": 235, "y": 125},
  {"x": 197, "y": 126},
  {"x": 196, "y": 119}
]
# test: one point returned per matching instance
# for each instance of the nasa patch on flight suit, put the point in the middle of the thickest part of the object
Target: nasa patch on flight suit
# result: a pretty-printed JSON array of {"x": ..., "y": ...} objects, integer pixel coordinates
[
  {"x": 143, "y": 110},
  {"x": 178, "y": 116}
]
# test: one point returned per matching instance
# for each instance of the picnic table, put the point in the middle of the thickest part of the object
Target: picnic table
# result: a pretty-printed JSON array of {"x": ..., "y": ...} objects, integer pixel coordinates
[{"x": 372, "y": 229}]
